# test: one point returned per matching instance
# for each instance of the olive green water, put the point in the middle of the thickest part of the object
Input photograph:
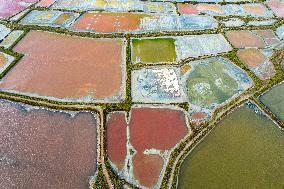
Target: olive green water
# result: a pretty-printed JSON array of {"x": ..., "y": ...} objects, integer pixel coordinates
[
  {"x": 244, "y": 151},
  {"x": 155, "y": 50},
  {"x": 274, "y": 100}
]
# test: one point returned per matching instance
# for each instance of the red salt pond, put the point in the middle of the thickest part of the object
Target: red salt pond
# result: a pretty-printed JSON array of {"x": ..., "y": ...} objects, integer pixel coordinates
[
  {"x": 9, "y": 8},
  {"x": 196, "y": 116},
  {"x": 41, "y": 148},
  {"x": 147, "y": 168},
  {"x": 68, "y": 68},
  {"x": 156, "y": 128},
  {"x": 150, "y": 129},
  {"x": 116, "y": 138},
  {"x": 109, "y": 22}
]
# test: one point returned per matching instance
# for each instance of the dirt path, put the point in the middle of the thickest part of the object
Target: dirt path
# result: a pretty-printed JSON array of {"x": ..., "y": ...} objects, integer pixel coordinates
[{"x": 102, "y": 151}]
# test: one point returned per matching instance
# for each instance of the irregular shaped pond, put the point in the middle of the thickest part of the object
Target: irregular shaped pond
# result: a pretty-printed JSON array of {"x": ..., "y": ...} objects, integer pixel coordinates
[{"x": 245, "y": 150}]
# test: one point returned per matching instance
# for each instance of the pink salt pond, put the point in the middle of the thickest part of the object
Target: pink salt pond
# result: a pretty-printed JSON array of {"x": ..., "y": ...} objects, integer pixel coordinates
[
  {"x": 187, "y": 9},
  {"x": 244, "y": 38},
  {"x": 254, "y": 38},
  {"x": 42, "y": 148},
  {"x": 68, "y": 68},
  {"x": 45, "y": 3},
  {"x": 277, "y": 7},
  {"x": 217, "y": 9},
  {"x": 9, "y": 8}
]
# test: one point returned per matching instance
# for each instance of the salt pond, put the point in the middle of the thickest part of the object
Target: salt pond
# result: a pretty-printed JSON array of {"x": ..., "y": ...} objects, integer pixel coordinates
[
  {"x": 274, "y": 100},
  {"x": 245, "y": 150}
]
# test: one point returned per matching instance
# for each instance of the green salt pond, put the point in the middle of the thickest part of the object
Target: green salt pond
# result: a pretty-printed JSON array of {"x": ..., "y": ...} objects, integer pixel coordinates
[
  {"x": 245, "y": 150},
  {"x": 274, "y": 100},
  {"x": 154, "y": 50},
  {"x": 210, "y": 83}
]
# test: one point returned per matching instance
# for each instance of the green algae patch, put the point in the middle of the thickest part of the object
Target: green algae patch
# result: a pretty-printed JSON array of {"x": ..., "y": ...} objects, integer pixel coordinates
[
  {"x": 274, "y": 100},
  {"x": 245, "y": 150},
  {"x": 211, "y": 83},
  {"x": 156, "y": 50}
]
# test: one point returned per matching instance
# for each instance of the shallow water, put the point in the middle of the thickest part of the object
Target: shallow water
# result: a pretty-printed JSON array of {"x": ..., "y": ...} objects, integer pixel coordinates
[
  {"x": 154, "y": 50},
  {"x": 245, "y": 150},
  {"x": 274, "y": 100}
]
